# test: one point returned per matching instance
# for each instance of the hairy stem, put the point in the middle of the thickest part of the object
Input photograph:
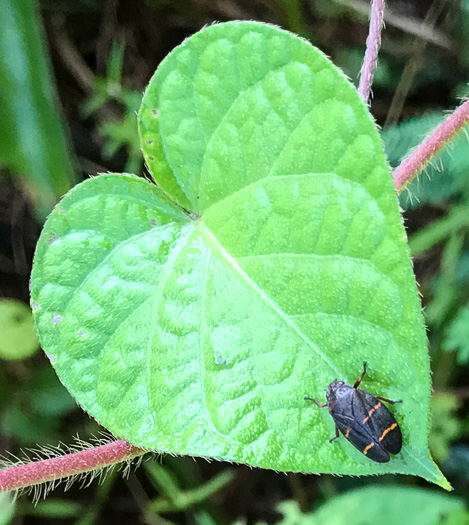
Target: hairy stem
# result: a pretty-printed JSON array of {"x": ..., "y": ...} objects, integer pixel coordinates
[
  {"x": 372, "y": 46},
  {"x": 25, "y": 475},
  {"x": 423, "y": 154}
]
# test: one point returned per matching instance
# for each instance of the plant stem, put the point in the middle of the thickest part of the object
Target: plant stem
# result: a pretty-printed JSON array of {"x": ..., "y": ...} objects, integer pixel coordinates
[
  {"x": 22, "y": 476},
  {"x": 422, "y": 155},
  {"x": 372, "y": 46}
]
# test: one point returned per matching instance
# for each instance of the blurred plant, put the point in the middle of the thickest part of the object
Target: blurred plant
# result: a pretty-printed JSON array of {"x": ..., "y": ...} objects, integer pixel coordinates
[
  {"x": 7, "y": 508},
  {"x": 445, "y": 292},
  {"x": 457, "y": 461},
  {"x": 53, "y": 509},
  {"x": 34, "y": 411},
  {"x": 18, "y": 339},
  {"x": 456, "y": 517},
  {"x": 446, "y": 427},
  {"x": 457, "y": 335},
  {"x": 444, "y": 185},
  {"x": 173, "y": 497},
  {"x": 459, "y": 16},
  {"x": 32, "y": 140},
  {"x": 118, "y": 133},
  {"x": 390, "y": 505},
  {"x": 63, "y": 509}
]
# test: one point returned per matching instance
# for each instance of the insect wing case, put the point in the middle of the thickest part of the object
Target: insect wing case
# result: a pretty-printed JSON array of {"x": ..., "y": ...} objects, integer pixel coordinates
[
  {"x": 349, "y": 411},
  {"x": 378, "y": 421}
]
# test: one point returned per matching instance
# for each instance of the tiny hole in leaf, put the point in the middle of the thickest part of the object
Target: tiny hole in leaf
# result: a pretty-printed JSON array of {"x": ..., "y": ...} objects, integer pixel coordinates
[
  {"x": 56, "y": 319},
  {"x": 52, "y": 238}
]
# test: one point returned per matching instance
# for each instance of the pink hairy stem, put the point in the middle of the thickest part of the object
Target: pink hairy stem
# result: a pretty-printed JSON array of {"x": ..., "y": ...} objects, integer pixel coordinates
[
  {"x": 372, "y": 47},
  {"x": 423, "y": 154},
  {"x": 51, "y": 469}
]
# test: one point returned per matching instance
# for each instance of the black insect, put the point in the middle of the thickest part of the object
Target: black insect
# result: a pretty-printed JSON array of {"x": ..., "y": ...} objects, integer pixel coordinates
[{"x": 363, "y": 419}]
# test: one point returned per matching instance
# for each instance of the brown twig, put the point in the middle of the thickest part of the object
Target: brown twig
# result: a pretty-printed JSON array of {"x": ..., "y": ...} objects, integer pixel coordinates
[
  {"x": 413, "y": 65},
  {"x": 70, "y": 56},
  {"x": 406, "y": 24}
]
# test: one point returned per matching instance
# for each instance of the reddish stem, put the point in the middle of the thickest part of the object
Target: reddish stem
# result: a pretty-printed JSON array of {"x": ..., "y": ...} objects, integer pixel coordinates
[
  {"x": 422, "y": 155},
  {"x": 22, "y": 476},
  {"x": 372, "y": 46}
]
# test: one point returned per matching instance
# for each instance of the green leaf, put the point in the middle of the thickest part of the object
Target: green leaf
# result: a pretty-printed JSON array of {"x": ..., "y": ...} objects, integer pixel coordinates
[
  {"x": 47, "y": 395},
  {"x": 456, "y": 517},
  {"x": 371, "y": 505},
  {"x": 457, "y": 336},
  {"x": 172, "y": 497},
  {"x": 199, "y": 333},
  {"x": 54, "y": 509},
  {"x": 33, "y": 143},
  {"x": 7, "y": 507},
  {"x": 17, "y": 339}
]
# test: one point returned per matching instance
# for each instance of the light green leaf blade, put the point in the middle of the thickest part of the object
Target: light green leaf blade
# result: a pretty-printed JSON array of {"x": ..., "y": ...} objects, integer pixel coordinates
[
  {"x": 7, "y": 508},
  {"x": 457, "y": 335},
  {"x": 291, "y": 271},
  {"x": 17, "y": 340},
  {"x": 33, "y": 143},
  {"x": 391, "y": 505}
]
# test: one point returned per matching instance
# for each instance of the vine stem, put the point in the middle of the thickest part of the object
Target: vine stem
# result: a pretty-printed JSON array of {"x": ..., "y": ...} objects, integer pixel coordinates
[
  {"x": 28, "y": 474},
  {"x": 372, "y": 47},
  {"x": 423, "y": 154}
]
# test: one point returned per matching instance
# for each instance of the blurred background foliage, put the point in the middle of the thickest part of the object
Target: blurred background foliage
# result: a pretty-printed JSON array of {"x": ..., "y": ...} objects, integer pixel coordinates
[{"x": 72, "y": 76}]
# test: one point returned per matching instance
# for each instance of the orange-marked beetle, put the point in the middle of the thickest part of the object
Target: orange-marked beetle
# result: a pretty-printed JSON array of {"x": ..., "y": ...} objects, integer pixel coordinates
[{"x": 363, "y": 419}]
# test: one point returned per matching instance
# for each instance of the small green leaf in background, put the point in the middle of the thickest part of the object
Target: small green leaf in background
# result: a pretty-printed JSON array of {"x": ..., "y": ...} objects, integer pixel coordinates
[
  {"x": 457, "y": 336},
  {"x": 456, "y": 517},
  {"x": 7, "y": 508},
  {"x": 17, "y": 337},
  {"x": 173, "y": 498},
  {"x": 47, "y": 395},
  {"x": 118, "y": 132},
  {"x": 379, "y": 505},
  {"x": 53, "y": 509},
  {"x": 32, "y": 139},
  {"x": 446, "y": 427},
  {"x": 199, "y": 332},
  {"x": 445, "y": 176},
  {"x": 33, "y": 413}
]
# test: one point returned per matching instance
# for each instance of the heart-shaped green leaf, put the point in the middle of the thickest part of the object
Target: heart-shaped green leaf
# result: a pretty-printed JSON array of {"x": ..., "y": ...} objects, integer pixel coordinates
[{"x": 200, "y": 332}]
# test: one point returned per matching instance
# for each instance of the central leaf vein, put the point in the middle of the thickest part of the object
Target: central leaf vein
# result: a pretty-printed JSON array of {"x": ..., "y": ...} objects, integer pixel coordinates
[{"x": 268, "y": 301}]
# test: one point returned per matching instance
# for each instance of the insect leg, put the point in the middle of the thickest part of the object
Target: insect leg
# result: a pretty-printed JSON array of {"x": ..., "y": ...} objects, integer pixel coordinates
[
  {"x": 357, "y": 383},
  {"x": 336, "y": 434},
  {"x": 320, "y": 405},
  {"x": 388, "y": 400}
]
